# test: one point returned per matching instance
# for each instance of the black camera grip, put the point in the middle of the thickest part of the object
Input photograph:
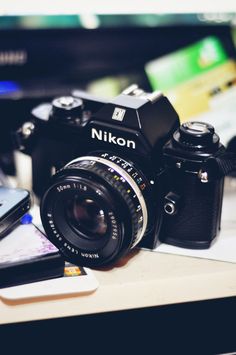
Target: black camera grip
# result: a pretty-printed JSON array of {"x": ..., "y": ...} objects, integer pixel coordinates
[{"x": 217, "y": 167}]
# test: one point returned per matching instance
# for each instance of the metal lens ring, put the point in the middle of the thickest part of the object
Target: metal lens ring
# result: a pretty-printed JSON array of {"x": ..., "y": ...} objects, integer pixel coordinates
[
  {"x": 95, "y": 211},
  {"x": 128, "y": 181}
]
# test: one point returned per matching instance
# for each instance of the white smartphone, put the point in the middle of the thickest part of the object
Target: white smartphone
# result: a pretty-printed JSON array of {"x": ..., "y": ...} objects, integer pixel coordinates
[{"x": 82, "y": 283}]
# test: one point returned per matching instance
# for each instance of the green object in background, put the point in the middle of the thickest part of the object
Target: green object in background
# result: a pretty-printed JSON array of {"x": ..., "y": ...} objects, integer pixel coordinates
[{"x": 185, "y": 64}]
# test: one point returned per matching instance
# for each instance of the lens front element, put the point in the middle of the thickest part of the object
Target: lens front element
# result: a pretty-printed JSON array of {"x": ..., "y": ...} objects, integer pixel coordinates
[{"x": 86, "y": 216}]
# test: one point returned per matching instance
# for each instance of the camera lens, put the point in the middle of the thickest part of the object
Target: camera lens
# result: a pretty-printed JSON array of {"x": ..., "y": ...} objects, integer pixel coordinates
[
  {"x": 86, "y": 216},
  {"x": 96, "y": 209}
]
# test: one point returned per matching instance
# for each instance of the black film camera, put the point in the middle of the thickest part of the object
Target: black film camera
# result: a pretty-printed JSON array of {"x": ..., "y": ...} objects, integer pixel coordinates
[{"x": 127, "y": 175}]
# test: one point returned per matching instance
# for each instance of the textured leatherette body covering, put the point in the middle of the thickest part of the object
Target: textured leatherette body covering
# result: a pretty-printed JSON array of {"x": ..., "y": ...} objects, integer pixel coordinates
[{"x": 198, "y": 217}]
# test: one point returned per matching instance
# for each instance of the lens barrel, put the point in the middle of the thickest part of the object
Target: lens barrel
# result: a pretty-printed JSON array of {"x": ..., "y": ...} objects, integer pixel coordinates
[{"x": 96, "y": 209}]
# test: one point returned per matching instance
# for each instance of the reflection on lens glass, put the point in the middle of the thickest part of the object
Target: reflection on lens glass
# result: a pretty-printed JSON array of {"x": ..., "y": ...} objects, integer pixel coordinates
[{"x": 86, "y": 216}]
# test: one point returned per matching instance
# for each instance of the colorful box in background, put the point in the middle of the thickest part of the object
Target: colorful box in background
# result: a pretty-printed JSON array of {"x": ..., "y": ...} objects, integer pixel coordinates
[{"x": 200, "y": 81}]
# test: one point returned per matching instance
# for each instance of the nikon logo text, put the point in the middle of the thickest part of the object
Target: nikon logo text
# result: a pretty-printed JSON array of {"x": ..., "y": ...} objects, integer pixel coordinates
[{"x": 108, "y": 137}]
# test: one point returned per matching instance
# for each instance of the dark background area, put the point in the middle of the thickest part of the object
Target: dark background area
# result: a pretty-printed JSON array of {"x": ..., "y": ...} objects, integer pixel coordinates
[
  {"x": 192, "y": 328},
  {"x": 80, "y": 55}
]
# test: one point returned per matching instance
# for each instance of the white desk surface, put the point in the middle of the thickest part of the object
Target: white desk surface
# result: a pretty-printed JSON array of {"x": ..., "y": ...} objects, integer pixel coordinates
[{"x": 144, "y": 279}]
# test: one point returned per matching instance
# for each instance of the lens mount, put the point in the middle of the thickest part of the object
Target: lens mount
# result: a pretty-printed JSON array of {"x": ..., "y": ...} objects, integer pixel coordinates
[{"x": 96, "y": 211}]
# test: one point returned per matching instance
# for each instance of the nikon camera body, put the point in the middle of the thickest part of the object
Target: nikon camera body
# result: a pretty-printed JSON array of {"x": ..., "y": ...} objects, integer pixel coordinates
[{"x": 126, "y": 175}]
